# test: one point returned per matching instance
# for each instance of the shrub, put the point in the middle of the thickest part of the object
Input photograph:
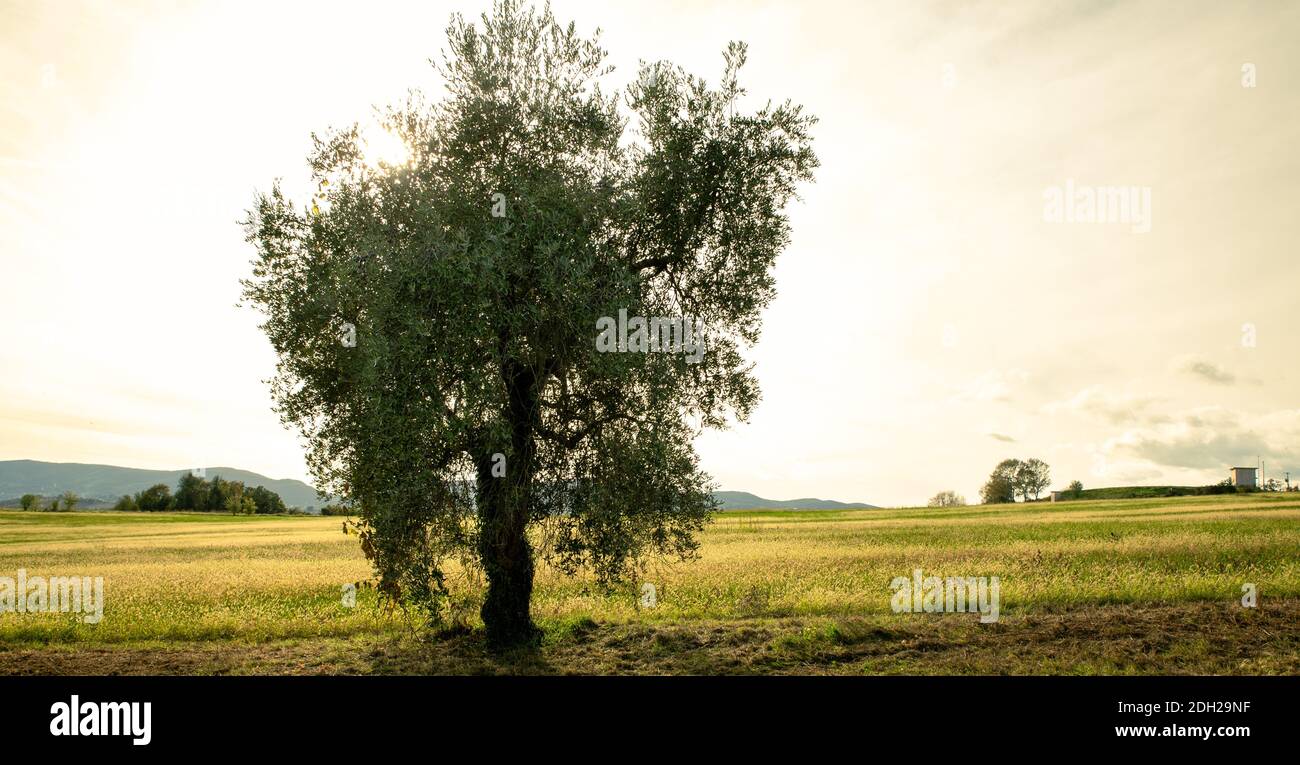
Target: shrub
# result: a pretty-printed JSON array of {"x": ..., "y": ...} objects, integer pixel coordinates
[{"x": 947, "y": 499}]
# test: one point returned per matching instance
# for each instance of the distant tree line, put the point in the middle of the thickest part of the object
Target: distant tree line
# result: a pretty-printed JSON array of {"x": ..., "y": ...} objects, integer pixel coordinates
[
  {"x": 199, "y": 494},
  {"x": 65, "y": 502}
]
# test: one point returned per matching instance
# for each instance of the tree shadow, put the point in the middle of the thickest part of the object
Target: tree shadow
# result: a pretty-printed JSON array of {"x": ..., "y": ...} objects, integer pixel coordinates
[{"x": 458, "y": 651}]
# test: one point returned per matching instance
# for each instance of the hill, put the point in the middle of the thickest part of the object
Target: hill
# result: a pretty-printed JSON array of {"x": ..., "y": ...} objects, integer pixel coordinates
[
  {"x": 108, "y": 482},
  {"x": 1148, "y": 492},
  {"x": 101, "y": 485},
  {"x": 743, "y": 500}
]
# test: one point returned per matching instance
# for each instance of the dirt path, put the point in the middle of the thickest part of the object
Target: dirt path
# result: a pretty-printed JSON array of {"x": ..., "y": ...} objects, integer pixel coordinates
[{"x": 1193, "y": 638}]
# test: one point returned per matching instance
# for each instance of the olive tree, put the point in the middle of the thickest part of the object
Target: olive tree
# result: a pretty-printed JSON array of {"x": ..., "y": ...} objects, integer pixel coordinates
[{"x": 450, "y": 328}]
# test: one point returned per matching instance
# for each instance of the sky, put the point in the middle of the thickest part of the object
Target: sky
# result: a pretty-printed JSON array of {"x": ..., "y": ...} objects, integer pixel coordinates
[{"x": 935, "y": 313}]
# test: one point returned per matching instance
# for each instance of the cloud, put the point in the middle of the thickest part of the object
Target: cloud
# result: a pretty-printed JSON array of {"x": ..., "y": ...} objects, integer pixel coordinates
[
  {"x": 1003, "y": 437},
  {"x": 1199, "y": 451},
  {"x": 1209, "y": 372},
  {"x": 993, "y": 385},
  {"x": 1116, "y": 409},
  {"x": 1124, "y": 471},
  {"x": 1213, "y": 438}
]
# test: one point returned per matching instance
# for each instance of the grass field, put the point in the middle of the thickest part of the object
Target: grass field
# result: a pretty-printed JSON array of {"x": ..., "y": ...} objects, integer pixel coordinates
[{"x": 1128, "y": 586}]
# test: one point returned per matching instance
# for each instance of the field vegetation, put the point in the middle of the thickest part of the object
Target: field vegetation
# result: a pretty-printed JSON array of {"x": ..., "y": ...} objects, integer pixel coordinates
[{"x": 1147, "y": 585}]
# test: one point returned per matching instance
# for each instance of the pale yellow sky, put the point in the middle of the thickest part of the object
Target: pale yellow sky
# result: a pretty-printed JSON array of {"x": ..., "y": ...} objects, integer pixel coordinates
[{"x": 930, "y": 322}]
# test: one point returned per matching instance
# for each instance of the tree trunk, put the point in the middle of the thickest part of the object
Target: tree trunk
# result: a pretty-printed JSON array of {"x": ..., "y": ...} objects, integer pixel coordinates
[
  {"x": 507, "y": 559},
  {"x": 504, "y": 511}
]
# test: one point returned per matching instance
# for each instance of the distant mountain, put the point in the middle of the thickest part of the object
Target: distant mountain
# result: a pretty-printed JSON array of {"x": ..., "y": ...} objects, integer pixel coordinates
[
  {"x": 743, "y": 500},
  {"x": 101, "y": 485},
  {"x": 107, "y": 482}
]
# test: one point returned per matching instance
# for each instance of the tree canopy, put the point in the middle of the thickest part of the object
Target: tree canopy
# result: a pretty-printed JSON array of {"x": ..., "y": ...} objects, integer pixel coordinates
[
  {"x": 436, "y": 320},
  {"x": 1026, "y": 478}
]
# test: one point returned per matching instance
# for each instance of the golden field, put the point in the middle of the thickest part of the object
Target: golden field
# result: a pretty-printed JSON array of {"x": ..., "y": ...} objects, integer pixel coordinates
[{"x": 804, "y": 591}]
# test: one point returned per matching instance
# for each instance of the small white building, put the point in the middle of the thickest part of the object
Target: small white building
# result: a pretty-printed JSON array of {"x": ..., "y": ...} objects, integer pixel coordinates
[
  {"x": 1056, "y": 496},
  {"x": 1243, "y": 476}
]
